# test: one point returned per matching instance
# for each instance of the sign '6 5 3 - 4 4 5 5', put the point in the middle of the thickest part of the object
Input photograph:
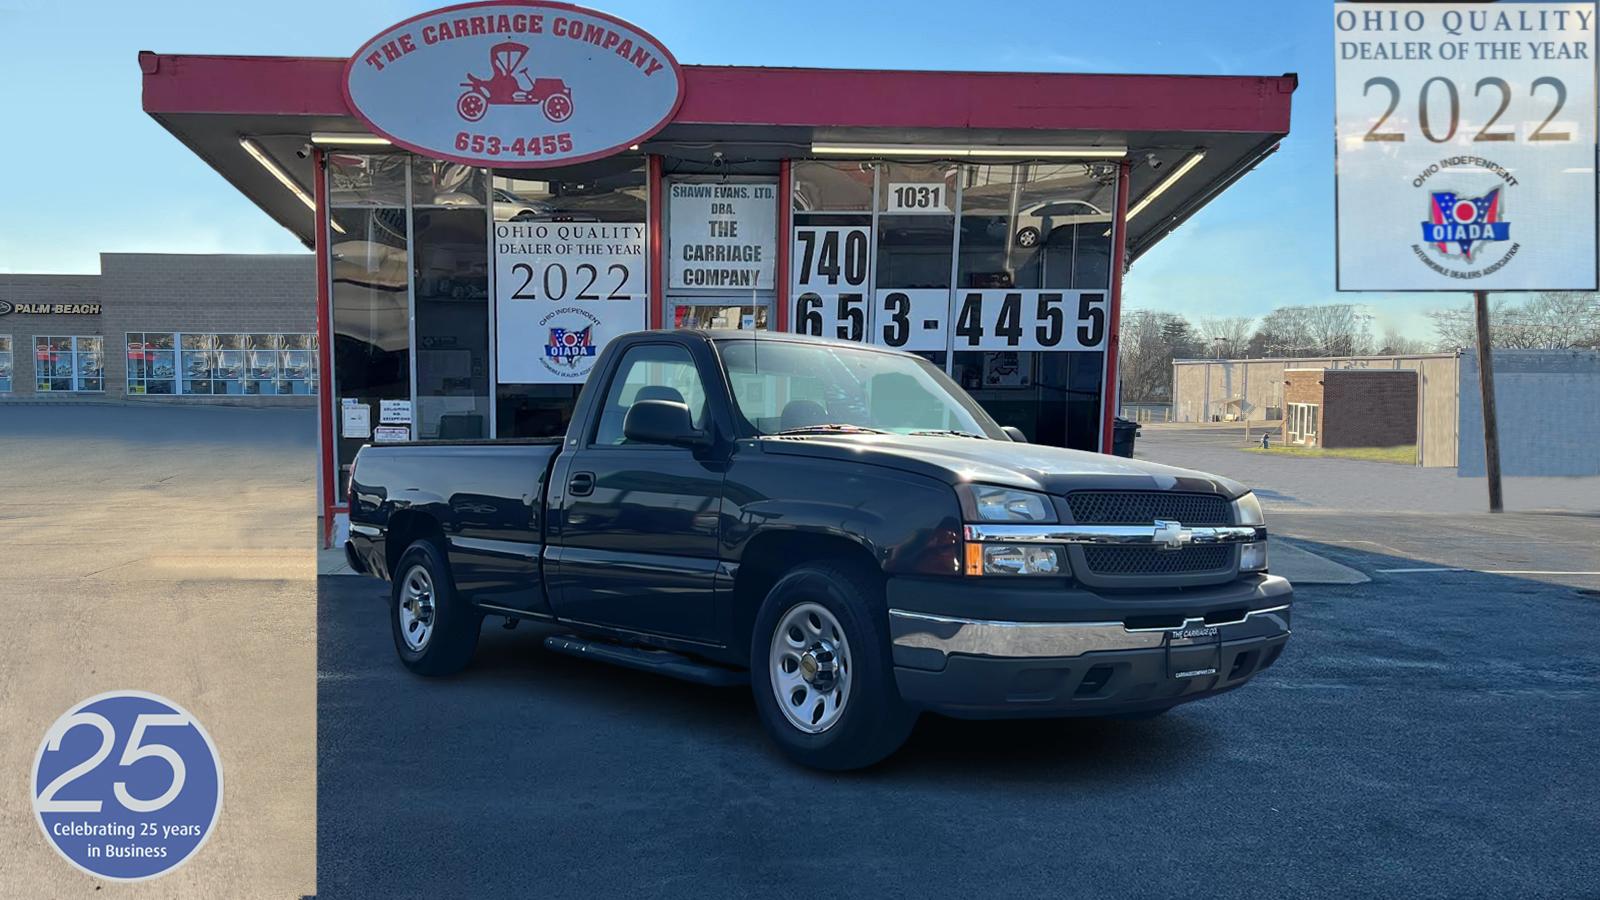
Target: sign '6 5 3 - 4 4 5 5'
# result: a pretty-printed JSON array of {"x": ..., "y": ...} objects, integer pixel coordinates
[{"x": 514, "y": 84}]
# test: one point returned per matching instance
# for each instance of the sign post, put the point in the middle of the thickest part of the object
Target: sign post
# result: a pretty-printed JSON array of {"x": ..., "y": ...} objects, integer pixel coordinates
[
  {"x": 1465, "y": 156},
  {"x": 1491, "y": 426}
]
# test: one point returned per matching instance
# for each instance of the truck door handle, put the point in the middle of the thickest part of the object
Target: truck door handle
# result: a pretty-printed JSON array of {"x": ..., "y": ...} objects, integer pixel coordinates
[{"x": 581, "y": 484}]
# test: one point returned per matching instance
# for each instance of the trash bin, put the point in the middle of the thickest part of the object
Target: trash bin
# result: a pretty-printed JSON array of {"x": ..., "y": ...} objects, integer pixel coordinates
[{"x": 1123, "y": 432}]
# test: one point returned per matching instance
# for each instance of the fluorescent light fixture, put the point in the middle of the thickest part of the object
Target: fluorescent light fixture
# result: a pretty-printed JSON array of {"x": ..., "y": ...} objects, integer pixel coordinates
[
  {"x": 272, "y": 167},
  {"x": 342, "y": 139},
  {"x": 1162, "y": 186},
  {"x": 968, "y": 152}
]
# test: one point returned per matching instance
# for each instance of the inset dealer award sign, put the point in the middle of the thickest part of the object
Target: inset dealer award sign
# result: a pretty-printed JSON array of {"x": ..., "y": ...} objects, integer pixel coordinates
[{"x": 1465, "y": 155}]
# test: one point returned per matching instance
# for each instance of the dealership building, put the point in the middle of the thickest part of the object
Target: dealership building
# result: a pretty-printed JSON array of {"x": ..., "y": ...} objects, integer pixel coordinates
[
  {"x": 164, "y": 328},
  {"x": 493, "y": 191}
]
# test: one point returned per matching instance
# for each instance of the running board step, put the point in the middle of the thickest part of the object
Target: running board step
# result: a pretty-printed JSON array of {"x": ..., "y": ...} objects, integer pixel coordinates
[{"x": 661, "y": 662}]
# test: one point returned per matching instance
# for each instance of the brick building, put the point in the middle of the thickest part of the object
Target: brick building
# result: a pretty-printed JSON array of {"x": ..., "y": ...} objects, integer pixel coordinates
[
  {"x": 180, "y": 328},
  {"x": 1350, "y": 407}
]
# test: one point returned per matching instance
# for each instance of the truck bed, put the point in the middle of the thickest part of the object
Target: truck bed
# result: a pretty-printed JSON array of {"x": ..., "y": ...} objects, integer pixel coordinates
[{"x": 483, "y": 501}]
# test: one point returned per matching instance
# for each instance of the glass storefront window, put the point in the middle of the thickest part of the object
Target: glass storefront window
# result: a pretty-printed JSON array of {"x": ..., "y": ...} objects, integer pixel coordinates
[
  {"x": 831, "y": 186},
  {"x": 68, "y": 364},
  {"x": 369, "y": 279},
  {"x": 196, "y": 360},
  {"x": 719, "y": 314},
  {"x": 5, "y": 364},
  {"x": 942, "y": 231},
  {"x": 152, "y": 363},
  {"x": 359, "y": 179},
  {"x": 297, "y": 364},
  {"x": 916, "y": 230},
  {"x": 451, "y": 290},
  {"x": 1036, "y": 226},
  {"x": 221, "y": 363},
  {"x": 610, "y": 190},
  {"x": 438, "y": 183}
]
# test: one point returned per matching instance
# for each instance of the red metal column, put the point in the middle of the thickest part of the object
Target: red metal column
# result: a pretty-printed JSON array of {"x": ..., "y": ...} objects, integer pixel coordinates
[
  {"x": 780, "y": 308},
  {"x": 328, "y": 460},
  {"x": 1119, "y": 256},
  {"x": 658, "y": 250}
]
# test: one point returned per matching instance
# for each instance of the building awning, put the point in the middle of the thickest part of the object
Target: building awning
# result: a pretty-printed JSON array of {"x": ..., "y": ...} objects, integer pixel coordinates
[{"x": 1212, "y": 129}]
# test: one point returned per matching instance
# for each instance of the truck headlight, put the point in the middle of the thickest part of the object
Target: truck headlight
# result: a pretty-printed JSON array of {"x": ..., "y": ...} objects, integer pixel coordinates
[
  {"x": 986, "y": 503},
  {"x": 1014, "y": 559},
  {"x": 1247, "y": 511}
]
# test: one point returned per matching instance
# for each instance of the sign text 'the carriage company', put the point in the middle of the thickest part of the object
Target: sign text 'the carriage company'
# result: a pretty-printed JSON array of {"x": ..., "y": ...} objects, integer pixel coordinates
[{"x": 514, "y": 84}]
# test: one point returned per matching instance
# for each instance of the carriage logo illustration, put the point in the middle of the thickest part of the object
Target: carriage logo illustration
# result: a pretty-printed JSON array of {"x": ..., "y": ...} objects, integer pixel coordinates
[{"x": 510, "y": 84}]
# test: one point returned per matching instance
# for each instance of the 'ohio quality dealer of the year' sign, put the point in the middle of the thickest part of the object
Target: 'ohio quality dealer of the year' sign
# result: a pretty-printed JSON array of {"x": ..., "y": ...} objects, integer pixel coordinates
[
  {"x": 514, "y": 84},
  {"x": 1466, "y": 146}
]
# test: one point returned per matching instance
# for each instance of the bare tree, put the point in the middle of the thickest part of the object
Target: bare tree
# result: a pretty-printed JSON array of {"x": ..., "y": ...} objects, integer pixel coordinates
[
  {"x": 1150, "y": 341},
  {"x": 1335, "y": 329},
  {"x": 1396, "y": 344},
  {"x": 1552, "y": 320},
  {"x": 1227, "y": 335}
]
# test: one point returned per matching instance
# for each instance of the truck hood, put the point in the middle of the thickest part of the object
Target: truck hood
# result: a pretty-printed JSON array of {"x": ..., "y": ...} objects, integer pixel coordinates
[{"x": 1033, "y": 467}]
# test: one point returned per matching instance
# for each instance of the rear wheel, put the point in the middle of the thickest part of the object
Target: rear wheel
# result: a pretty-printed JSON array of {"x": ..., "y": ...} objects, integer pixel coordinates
[
  {"x": 435, "y": 629},
  {"x": 820, "y": 668}
]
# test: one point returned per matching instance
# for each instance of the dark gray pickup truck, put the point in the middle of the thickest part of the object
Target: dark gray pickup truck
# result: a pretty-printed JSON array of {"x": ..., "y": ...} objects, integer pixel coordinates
[{"x": 841, "y": 527}]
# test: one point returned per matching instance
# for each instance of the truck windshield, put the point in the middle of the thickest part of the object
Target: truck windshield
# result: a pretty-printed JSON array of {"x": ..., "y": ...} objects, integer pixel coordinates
[{"x": 795, "y": 387}]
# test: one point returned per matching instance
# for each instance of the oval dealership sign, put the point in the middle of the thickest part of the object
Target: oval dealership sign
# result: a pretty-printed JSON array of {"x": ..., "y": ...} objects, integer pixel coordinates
[{"x": 514, "y": 84}]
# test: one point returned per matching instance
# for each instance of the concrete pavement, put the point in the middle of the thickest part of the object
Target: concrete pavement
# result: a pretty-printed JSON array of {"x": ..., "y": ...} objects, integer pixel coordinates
[{"x": 165, "y": 549}]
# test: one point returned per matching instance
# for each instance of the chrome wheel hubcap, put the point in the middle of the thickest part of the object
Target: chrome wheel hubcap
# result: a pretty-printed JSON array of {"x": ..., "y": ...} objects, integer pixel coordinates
[
  {"x": 810, "y": 667},
  {"x": 416, "y": 608}
]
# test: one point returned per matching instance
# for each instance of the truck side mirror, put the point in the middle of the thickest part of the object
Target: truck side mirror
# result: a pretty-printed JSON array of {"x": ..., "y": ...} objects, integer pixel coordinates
[
  {"x": 1014, "y": 433},
  {"x": 662, "y": 422}
]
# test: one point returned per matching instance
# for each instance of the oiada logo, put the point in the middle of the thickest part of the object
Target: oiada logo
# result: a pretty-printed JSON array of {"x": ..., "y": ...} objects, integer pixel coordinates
[
  {"x": 519, "y": 83},
  {"x": 1464, "y": 221},
  {"x": 1465, "y": 235},
  {"x": 569, "y": 351}
]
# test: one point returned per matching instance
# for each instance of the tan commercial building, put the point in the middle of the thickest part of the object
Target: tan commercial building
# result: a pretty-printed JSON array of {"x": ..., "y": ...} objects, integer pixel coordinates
[{"x": 1252, "y": 390}]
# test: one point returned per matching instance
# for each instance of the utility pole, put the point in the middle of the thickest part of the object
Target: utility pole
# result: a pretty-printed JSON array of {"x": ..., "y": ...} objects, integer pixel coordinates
[{"x": 1491, "y": 428}]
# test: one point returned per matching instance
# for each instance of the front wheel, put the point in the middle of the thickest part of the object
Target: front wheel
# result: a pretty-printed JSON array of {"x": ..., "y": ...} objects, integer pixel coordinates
[
  {"x": 435, "y": 630},
  {"x": 821, "y": 672},
  {"x": 557, "y": 107}
]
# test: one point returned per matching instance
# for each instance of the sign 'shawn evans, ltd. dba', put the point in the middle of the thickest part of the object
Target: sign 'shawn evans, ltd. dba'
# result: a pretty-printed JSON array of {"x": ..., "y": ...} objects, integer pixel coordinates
[{"x": 514, "y": 84}]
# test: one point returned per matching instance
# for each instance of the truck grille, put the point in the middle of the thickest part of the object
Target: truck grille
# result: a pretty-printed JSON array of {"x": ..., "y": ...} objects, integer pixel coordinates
[
  {"x": 1144, "y": 507},
  {"x": 1158, "y": 561}
]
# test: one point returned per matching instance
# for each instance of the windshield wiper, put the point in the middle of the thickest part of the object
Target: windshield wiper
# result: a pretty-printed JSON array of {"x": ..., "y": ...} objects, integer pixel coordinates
[
  {"x": 948, "y": 432},
  {"x": 831, "y": 428}
]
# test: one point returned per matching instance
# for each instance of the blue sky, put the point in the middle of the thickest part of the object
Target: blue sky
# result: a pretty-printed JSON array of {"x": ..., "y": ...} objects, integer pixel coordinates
[{"x": 87, "y": 170}]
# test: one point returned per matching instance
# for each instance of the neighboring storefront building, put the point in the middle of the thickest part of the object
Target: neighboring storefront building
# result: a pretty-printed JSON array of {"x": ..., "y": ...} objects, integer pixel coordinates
[
  {"x": 182, "y": 328},
  {"x": 1339, "y": 408},
  {"x": 494, "y": 190}
]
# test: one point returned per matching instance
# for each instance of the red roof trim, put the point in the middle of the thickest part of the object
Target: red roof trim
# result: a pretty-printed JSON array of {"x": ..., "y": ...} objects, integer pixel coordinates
[{"x": 830, "y": 98}]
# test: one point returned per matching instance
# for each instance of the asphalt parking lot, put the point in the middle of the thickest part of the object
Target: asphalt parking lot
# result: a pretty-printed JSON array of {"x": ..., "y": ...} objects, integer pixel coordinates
[
  {"x": 1428, "y": 733},
  {"x": 165, "y": 549}
]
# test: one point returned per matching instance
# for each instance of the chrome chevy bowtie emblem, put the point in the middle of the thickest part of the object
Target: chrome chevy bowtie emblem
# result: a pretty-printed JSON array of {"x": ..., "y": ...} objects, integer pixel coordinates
[{"x": 1170, "y": 535}]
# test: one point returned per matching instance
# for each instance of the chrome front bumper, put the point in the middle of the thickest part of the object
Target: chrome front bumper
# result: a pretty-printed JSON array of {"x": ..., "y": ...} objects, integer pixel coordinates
[{"x": 946, "y": 635}]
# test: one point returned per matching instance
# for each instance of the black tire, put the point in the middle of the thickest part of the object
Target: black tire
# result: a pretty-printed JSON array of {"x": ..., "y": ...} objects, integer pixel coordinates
[
  {"x": 872, "y": 721},
  {"x": 455, "y": 624}
]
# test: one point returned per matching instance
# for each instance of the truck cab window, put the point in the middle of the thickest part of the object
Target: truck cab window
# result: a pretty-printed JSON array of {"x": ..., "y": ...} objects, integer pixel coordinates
[{"x": 650, "y": 372}]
